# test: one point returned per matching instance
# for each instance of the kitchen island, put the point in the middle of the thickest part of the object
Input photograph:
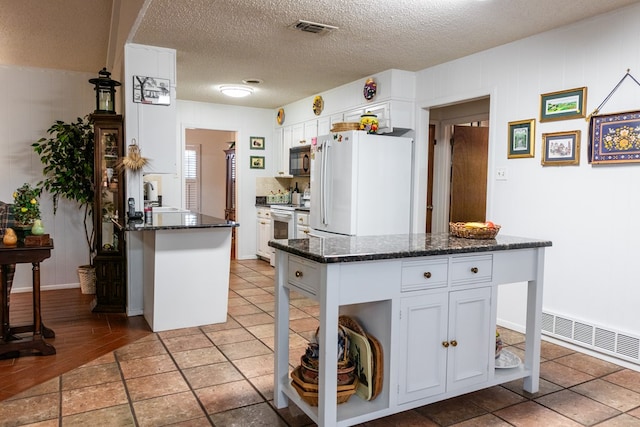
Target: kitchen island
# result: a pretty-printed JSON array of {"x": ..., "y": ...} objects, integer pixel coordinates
[
  {"x": 185, "y": 260},
  {"x": 430, "y": 301}
]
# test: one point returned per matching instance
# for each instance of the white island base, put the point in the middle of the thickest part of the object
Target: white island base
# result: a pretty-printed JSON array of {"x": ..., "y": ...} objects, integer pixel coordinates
[{"x": 186, "y": 277}]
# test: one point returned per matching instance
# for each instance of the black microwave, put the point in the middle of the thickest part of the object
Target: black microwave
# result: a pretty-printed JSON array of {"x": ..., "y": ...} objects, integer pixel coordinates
[{"x": 300, "y": 161}]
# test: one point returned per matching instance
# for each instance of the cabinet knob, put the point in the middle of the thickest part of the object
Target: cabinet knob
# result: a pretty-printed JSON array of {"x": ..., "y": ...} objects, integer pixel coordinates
[
  {"x": 445, "y": 344},
  {"x": 299, "y": 219},
  {"x": 427, "y": 275},
  {"x": 454, "y": 343},
  {"x": 474, "y": 269},
  {"x": 298, "y": 273}
]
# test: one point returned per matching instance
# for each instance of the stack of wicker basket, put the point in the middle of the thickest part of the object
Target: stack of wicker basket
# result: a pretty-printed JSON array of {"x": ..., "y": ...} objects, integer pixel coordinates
[{"x": 345, "y": 126}]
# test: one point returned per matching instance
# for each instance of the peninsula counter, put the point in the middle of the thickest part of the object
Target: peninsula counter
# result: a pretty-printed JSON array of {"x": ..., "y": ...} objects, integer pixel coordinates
[
  {"x": 429, "y": 299},
  {"x": 185, "y": 265}
]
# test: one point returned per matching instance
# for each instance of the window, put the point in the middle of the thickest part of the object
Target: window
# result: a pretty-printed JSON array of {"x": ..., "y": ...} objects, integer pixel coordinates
[{"x": 192, "y": 177}]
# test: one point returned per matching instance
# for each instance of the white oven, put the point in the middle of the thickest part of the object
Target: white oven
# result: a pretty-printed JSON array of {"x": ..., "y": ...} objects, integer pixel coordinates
[{"x": 283, "y": 225}]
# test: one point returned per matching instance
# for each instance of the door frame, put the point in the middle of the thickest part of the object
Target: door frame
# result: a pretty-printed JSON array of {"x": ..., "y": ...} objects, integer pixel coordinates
[{"x": 442, "y": 157}]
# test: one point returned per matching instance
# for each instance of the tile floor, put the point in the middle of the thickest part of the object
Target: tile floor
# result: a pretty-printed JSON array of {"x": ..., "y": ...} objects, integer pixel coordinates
[{"x": 221, "y": 375}]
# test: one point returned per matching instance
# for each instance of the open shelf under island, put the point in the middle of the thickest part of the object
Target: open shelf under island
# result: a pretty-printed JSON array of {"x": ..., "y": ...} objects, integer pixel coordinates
[
  {"x": 429, "y": 299},
  {"x": 184, "y": 268}
]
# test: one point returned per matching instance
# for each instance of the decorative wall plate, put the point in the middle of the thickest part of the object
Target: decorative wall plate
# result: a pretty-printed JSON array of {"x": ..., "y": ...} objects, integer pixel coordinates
[
  {"x": 370, "y": 89},
  {"x": 280, "y": 116},
  {"x": 318, "y": 105}
]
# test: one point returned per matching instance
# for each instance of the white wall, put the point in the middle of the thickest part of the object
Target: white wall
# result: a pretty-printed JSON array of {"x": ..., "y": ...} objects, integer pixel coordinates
[
  {"x": 31, "y": 99},
  {"x": 587, "y": 211},
  {"x": 246, "y": 122}
]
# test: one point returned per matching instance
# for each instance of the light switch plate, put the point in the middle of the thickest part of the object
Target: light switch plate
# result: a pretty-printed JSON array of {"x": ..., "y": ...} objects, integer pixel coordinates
[{"x": 501, "y": 174}]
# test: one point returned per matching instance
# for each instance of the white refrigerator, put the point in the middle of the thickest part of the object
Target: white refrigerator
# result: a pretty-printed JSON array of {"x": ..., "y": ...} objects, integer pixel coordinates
[{"x": 361, "y": 184}]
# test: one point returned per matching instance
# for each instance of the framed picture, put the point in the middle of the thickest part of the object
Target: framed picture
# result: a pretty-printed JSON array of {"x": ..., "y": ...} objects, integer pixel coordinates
[
  {"x": 256, "y": 162},
  {"x": 521, "y": 139},
  {"x": 615, "y": 138},
  {"x": 151, "y": 90},
  {"x": 257, "y": 142},
  {"x": 563, "y": 105},
  {"x": 561, "y": 148}
]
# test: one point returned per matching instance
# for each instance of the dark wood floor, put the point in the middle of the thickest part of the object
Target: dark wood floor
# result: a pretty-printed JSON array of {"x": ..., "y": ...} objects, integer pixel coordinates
[{"x": 81, "y": 336}]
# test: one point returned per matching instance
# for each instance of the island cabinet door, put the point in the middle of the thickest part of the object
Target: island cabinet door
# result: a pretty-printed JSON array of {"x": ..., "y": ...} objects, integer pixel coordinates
[
  {"x": 469, "y": 338},
  {"x": 422, "y": 358},
  {"x": 445, "y": 339}
]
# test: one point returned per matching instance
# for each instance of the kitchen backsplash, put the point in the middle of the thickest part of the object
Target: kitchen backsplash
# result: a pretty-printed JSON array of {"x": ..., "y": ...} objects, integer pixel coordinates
[{"x": 270, "y": 185}]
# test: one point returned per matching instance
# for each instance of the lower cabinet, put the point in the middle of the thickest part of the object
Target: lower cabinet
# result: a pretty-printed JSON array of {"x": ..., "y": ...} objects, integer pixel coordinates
[
  {"x": 110, "y": 284},
  {"x": 446, "y": 339},
  {"x": 263, "y": 233}
]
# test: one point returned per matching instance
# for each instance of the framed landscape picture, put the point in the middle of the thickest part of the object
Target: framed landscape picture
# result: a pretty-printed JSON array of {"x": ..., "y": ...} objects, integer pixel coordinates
[
  {"x": 521, "y": 139},
  {"x": 615, "y": 138},
  {"x": 561, "y": 148},
  {"x": 563, "y": 105}
]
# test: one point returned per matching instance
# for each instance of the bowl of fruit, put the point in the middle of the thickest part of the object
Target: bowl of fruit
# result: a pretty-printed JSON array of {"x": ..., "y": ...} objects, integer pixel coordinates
[{"x": 474, "y": 230}]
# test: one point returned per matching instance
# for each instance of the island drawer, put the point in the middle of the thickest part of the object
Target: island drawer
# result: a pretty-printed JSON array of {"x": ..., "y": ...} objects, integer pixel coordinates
[
  {"x": 303, "y": 275},
  {"x": 471, "y": 269},
  {"x": 418, "y": 275}
]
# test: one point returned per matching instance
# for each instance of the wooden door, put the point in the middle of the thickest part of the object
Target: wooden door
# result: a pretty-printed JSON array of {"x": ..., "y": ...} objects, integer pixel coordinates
[
  {"x": 469, "y": 155},
  {"x": 432, "y": 144}
]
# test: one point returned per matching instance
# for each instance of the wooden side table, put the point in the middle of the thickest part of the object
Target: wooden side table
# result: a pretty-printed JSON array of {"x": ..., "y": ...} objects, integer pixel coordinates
[{"x": 9, "y": 342}]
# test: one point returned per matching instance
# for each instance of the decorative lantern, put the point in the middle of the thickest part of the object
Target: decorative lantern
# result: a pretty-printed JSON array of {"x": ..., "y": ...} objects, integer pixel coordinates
[{"x": 105, "y": 92}]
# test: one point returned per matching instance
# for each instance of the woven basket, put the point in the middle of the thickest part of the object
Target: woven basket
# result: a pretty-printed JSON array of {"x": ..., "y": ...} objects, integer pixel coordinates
[
  {"x": 87, "y": 275},
  {"x": 345, "y": 126},
  {"x": 459, "y": 230},
  {"x": 309, "y": 392}
]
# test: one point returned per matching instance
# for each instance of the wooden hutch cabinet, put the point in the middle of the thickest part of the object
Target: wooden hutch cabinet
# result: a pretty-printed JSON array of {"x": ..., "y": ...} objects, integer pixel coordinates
[
  {"x": 109, "y": 214},
  {"x": 230, "y": 202}
]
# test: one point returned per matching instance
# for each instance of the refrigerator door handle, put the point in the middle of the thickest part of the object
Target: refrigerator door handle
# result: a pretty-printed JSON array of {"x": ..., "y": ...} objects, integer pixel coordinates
[{"x": 323, "y": 182}]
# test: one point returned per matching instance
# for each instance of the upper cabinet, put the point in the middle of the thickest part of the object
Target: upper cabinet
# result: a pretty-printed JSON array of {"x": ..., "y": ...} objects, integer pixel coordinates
[
  {"x": 392, "y": 115},
  {"x": 151, "y": 123},
  {"x": 281, "y": 144}
]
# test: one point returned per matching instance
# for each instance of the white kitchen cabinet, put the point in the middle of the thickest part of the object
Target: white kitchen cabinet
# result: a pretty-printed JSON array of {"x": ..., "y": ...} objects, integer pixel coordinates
[
  {"x": 391, "y": 114},
  {"x": 450, "y": 330},
  {"x": 297, "y": 135},
  {"x": 310, "y": 131},
  {"x": 263, "y": 227},
  {"x": 324, "y": 125},
  {"x": 302, "y": 225},
  {"x": 282, "y": 143}
]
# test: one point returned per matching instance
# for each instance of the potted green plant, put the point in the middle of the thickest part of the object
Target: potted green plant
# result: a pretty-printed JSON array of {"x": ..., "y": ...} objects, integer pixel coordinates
[{"x": 68, "y": 158}]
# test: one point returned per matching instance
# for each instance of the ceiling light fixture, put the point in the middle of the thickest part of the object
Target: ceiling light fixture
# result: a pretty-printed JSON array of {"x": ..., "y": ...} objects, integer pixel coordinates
[{"x": 236, "y": 91}]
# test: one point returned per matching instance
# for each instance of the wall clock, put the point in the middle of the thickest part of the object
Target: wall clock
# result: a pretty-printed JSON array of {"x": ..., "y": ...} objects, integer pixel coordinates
[
  {"x": 280, "y": 116},
  {"x": 370, "y": 89},
  {"x": 318, "y": 105}
]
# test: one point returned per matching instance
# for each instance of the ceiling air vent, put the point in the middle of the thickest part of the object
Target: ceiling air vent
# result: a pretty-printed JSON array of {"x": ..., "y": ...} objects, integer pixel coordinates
[{"x": 313, "y": 27}]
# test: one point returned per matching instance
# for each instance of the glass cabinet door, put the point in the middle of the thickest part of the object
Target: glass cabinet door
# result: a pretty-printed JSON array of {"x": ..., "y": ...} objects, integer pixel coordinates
[{"x": 109, "y": 209}]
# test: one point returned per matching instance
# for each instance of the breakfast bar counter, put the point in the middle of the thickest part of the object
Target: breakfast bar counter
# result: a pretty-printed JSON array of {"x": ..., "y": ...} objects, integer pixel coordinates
[
  {"x": 185, "y": 268},
  {"x": 430, "y": 302}
]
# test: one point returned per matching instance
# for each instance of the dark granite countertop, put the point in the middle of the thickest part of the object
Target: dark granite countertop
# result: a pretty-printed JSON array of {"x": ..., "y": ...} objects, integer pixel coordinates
[
  {"x": 180, "y": 221},
  {"x": 368, "y": 248}
]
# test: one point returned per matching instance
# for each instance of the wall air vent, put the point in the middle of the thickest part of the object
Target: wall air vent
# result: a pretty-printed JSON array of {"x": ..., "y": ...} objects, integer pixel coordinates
[
  {"x": 313, "y": 27},
  {"x": 594, "y": 337}
]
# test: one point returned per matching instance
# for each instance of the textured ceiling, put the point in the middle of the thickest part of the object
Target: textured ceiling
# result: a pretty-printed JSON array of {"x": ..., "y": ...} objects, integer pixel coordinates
[{"x": 225, "y": 41}]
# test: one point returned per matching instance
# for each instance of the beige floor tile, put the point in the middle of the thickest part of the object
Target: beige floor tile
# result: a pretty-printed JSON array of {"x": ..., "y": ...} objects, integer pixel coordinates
[
  {"x": 562, "y": 375},
  {"x": 610, "y": 394},
  {"x": 198, "y": 357},
  {"x": 494, "y": 398},
  {"x": 227, "y": 336},
  {"x": 147, "y": 366},
  {"x": 262, "y": 415},
  {"x": 262, "y": 331},
  {"x": 170, "y": 409},
  {"x": 308, "y": 324},
  {"x": 578, "y": 407},
  {"x": 240, "y": 350},
  {"x": 451, "y": 411},
  {"x": 91, "y": 375},
  {"x": 254, "y": 319},
  {"x": 588, "y": 364},
  {"x": 622, "y": 420},
  {"x": 487, "y": 420},
  {"x": 51, "y": 386},
  {"x": 240, "y": 310},
  {"x": 114, "y": 416},
  {"x": 182, "y": 332},
  {"x": 255, "y": 366},
  {"x": 229, "y": 324},
  {"x": 188, "y": 342},
  {"x": 156, "y": 385},
  {"x": 209, "y": 375},
  {"x": 30, "y": 409},
  {"x": 625, "y": 378},
  {"x": 403, "y": 419},
  {"x": 532, "y": 414},
  {"x": 227, "y": 396},
  {"x": 86, "y": 399},
  {"x": 140, "y": 349}
]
